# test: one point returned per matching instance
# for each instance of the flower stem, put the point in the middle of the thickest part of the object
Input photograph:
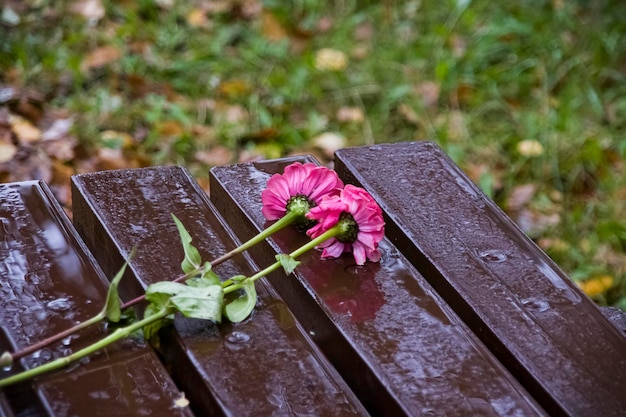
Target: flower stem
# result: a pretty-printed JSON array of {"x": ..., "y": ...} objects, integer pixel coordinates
[
  {"x": 7, "y": 357},
  {"x": 66, "y": 360},
  {"x": 329, "y": 234},
  {"x": 283, "y": 222}
]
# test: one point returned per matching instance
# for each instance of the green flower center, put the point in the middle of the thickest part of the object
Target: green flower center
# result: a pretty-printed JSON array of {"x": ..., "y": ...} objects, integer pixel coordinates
[
  {"x": 300, "y": 205},
  {"x": 349, "y": 229}
]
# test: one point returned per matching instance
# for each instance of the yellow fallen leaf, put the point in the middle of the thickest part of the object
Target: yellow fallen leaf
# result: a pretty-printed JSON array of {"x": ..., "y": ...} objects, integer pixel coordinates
[
  {"x": 7, "y": 152},
  {"x": 350, "y": 114},
  {"x": 328, "y": 59},
  {"x": 529, "y": 148},
  {"x": 596, "y": 286},
  {"x": 25, "y": 131},
  {"x": 197, "y": 18}
]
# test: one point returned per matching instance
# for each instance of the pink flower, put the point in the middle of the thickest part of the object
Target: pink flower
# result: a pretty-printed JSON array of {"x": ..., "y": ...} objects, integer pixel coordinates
[
  {"x": 299, "y": 188},
  {"x": 360, "y": 221}
]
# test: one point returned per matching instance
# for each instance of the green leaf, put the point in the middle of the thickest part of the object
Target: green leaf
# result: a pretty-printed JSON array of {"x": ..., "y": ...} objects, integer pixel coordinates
[
  {"x": 192, "y": 259},
  {"x": 288, "y": 263},
  {"x": 200, "y": 302},
  {"x": 207, "y": 278},
  {"x": 237, "y": 309},
  {"x": 151, "y": 331},
  {"x": 112, "y": 305}
]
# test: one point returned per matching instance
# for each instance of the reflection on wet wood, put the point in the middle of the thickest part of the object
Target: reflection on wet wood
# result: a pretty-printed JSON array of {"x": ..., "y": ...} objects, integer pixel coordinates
[
  {"x": 48, "y": 282},
  {"x": 393, "y": 339},
  {"x": 541, "y": 326},
  {"x": 265, "y": 365}
]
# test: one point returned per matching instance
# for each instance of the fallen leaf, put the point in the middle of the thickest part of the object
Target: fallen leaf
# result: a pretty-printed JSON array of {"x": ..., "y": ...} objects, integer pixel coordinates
[
  {"x": 100, "y": 57},
  {"x": 197, "y": 18},
  {"x": 529, "y": 148},
  {"x": 520, "y": 196},
  {"x": 554, "y": 244},
  {"x": 596, "y": 286},
  {"x": 329, "y": 142},
  {"x": 364, "y": 32},
  {"x": 408, "y": 113},
  {"x": 219, "y": 155},
  {"x": 234, "y": 88},
  {"x": 271, "y": 28},
  {"x": 169, "y": 128},
  {"x": 325, "y": 24},
  {"x": 328, "y": 59},
  {"x": 25, "y": 131},
  {"x": 350, "y": 114},
  {"x": 60, "y": 149},
  {"x": 59, "y": 129},
  {"x": 533, "y": 222},
  {"x": 7, "y": 151},
  {"x": 92, "y": 10},
  {"x": 428, "y": 91},
  {"x": 9, "y": 16}
]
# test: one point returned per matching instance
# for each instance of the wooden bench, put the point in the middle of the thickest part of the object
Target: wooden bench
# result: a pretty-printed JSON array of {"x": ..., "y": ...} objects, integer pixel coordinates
[{"x": 464, "y": 315}]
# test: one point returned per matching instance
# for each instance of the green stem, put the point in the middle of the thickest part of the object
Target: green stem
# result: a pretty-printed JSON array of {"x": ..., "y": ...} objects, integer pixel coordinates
[
  {"x": 66, "y": 360},
  {"x": 7, "y": 357},
  {"x": 283, "y": 222},
  {"x": 330, "y": 233}
]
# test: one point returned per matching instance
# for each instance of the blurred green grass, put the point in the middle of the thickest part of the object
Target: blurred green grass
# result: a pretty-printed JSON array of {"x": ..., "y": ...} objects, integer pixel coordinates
[{"x": 528, "y": 97}]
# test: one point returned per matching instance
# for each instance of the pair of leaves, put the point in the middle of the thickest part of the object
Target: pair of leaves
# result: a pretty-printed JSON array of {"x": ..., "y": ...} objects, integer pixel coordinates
[{"x": 235, "y": 306}]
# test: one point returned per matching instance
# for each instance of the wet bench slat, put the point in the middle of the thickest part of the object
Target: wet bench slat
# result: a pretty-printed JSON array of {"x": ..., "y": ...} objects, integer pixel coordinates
[
  {"x": 393, "y": 339},
  {"x": 49, "y": 281},
  {"x": 540, "y": 325},
  {"x": 263, "y": 366}
]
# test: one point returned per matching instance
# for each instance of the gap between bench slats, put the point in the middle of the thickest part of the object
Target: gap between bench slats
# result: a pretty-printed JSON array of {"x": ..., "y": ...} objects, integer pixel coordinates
[
  {"x": 264, "y": 366},
  {"x": 48, "y": 282},
  {"x": 392, "y": 338},
  {"x": 542, "y": 327}
]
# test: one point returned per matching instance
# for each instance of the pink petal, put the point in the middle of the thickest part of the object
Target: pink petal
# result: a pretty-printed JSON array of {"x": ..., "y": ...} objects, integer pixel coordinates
[{"x": 359, "y": 253}]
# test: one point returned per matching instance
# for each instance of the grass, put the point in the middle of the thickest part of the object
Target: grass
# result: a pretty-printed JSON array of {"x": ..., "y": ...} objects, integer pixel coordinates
[{"x": 529, "y": 97}]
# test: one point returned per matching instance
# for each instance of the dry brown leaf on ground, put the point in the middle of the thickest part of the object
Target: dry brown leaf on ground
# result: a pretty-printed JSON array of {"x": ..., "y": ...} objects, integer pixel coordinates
[
  {"x": 520, "y": 196},
  {"x": 350, "y": 114},
  {"x": 218, "y": 155},
  {"x": 329, "y": 142},
  {"x": 271, "y": 28},
  {"x": 100, "y": 57},
  {"x": 428, "y": 91},
  {"x": 24, "y": 130}
]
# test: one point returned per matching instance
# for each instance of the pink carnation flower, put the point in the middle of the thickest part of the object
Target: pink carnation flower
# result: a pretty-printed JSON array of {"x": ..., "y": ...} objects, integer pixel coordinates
[
  {"x": 299, "y": 188},
  {"x": 360, "y": 220}
]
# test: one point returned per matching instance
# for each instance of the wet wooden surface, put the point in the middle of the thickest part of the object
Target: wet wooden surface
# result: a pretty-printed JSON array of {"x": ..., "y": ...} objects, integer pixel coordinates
[
  {"x": 532, "y": 316},
  {"x": 393, "y": 339},
  {"x": 48, "y": 282},
  {"x": 464, "y": 315},
  {"x": 264, "y": 366}
]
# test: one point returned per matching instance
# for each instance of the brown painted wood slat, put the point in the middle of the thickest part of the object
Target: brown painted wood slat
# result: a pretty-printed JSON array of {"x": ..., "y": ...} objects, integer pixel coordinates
[
  {"x": 48, "y": 282},
  {"x": 394, "y": 340},
  {"x": 264, "y": 366},
  {"x": 541, "y": 326}
]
